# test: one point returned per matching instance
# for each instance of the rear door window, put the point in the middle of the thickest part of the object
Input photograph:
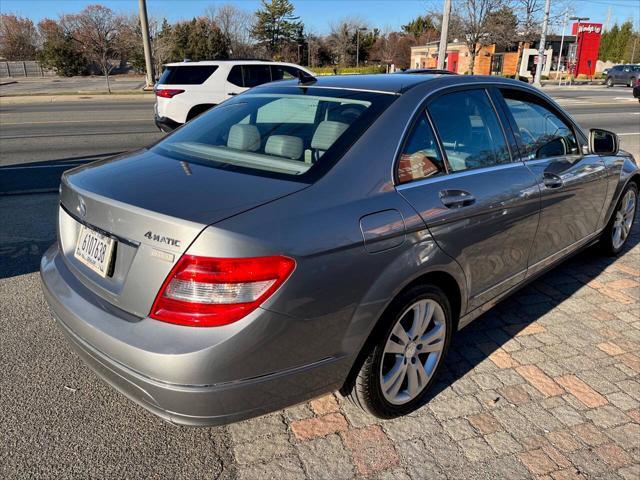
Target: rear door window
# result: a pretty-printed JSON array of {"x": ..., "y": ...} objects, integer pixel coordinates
[
  {"x": 283, "y": 72},
  {"x": 255, "y": 75},
  {"x": 187, "y": 74},
  {"x": 469, "y": 129},
  {"x": 235, "y": 76}
]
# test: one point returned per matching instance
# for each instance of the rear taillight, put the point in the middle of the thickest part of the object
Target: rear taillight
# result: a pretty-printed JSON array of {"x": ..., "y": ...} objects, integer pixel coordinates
[
  {"x": 168, "y": 92},
  {"x": 209, "y": 292}
]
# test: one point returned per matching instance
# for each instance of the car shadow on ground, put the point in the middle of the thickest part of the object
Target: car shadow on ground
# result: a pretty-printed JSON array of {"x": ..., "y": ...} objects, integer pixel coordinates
[{"x": 546, "y": 299}]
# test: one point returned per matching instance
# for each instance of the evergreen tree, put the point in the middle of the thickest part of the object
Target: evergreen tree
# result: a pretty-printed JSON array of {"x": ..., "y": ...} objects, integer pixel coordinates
[{"x": 276, "y": 26}]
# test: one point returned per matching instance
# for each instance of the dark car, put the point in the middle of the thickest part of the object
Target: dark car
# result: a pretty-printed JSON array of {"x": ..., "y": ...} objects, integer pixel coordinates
[
  {"x": 317, "y": 235},
  {"x": 623, "y": 75}
]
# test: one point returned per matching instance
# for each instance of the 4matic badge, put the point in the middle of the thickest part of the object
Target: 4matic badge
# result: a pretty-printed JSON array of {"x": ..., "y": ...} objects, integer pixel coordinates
[{"x": 161, "y": 239}]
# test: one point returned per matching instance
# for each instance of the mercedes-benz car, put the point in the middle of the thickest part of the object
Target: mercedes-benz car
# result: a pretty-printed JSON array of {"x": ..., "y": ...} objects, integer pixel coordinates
[{"x": 326, "y": 234}]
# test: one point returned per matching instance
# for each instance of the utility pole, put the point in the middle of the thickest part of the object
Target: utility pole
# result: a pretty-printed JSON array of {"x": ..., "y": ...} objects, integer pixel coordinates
[
  {"x": 633, "y": 52},
  {"x": 543, "y": 41},
  {"x": 358, "y": 30},
  {"x": 144, "y": 25},
  {"x": 564, "y": 26},
  {"x": 444, "y": 31}
]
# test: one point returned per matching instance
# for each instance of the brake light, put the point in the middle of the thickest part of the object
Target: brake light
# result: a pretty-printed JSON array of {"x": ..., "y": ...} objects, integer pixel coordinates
[
  {"x": 168, "y": 92},
  {"x": 209, "y": 292}
]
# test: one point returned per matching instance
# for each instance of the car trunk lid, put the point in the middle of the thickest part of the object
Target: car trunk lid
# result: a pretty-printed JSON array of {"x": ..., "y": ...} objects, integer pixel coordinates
[{"x": 153, "y": 207}]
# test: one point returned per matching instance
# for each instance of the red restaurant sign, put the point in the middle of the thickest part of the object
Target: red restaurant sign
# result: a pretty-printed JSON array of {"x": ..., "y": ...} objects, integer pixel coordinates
[{"x": 589, "y": 35}]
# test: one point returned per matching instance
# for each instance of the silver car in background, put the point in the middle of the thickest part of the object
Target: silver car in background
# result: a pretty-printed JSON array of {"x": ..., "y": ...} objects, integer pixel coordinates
[{"x": 319, "y": 235}]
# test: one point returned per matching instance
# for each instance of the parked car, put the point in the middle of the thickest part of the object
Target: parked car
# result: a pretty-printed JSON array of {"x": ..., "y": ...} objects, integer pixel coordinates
[
  {"x": 636, "y": 89},
  {"x": 623, "y": 75},
  {"x": 186, "y": 89},
  {"x": 309, "y": 236}
]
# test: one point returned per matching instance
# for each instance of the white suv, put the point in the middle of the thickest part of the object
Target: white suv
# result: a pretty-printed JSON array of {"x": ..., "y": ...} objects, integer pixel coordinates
[{"x": 186, "y": 89}]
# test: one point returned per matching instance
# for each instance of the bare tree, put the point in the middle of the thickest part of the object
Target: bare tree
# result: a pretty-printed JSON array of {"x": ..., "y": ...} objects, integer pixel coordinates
[
  {"x": 18, "y": 38},
  {"x": 475, "y": 29},
  {"x": 235, "y": 23},
  {"x": 99, "y": 33},
  {"x": 342, "y": 39}
]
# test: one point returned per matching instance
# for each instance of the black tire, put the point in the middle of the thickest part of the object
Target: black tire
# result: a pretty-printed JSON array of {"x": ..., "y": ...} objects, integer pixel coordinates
[
  {"x": 606, "y": 240},
  {"x": 632, "y": 82},
  {"x": 366, "y": 391},
  {"x": 609, "y": 82}
]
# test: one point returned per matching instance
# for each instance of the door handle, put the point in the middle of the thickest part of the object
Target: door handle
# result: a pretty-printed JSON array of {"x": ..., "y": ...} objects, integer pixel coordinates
[
  {"x": 551, "y": 180},
  {"x": 456, "y": 198},
  {"x": 233, "y": 93}
]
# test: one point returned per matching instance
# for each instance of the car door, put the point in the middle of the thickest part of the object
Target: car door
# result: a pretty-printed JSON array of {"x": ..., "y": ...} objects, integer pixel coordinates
[
  {"x": 572, "y": 184},
  {"x": 480, "y": 207}
]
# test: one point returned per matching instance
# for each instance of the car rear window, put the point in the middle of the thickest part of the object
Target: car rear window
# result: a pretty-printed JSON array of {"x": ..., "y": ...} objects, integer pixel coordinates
[
  {"x": 186, "y": 75},
  {"x": 287, "y": 132}
]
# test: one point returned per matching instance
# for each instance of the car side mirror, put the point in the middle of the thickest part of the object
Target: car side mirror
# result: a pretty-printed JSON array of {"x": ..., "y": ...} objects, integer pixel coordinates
[{"x": 603, "y": 142}]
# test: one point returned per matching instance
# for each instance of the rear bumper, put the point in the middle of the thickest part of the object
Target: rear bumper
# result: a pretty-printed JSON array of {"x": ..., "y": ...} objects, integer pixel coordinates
[
  {"x": 181, "y": 403},
  {"x": 166, "y": 124}
]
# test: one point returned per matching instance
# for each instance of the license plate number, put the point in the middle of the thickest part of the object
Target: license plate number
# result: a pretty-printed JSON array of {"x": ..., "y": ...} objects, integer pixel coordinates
[{"x": 94, "y": 250}]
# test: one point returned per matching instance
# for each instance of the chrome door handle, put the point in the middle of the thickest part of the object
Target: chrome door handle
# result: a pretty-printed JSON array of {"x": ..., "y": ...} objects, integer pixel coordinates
[
  {"x": 551, "y": 180},
  {"x": 456, "y": 198}
]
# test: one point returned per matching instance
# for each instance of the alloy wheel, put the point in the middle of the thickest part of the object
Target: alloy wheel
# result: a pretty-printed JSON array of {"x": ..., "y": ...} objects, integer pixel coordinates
[
  {"x": 412, "y": 351},
  {"x": 623, "y": 219}
]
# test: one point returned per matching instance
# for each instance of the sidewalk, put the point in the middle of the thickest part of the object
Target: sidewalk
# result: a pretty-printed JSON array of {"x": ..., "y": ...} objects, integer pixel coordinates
[
  {"x": 55, "y": 85},
  {"x": 545, "y": 386}
]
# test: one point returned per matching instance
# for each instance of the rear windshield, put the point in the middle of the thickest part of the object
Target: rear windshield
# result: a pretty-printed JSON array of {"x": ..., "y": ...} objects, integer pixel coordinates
[
  {"x": 281, "y": 131},
  {"x": 186, "y": 75}
]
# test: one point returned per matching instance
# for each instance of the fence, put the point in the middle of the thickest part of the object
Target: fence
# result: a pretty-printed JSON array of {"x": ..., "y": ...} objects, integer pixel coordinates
[{"x": 28, "y": 68}]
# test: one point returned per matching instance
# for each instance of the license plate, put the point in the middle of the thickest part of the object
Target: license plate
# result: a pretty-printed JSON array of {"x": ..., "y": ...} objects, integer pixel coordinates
[{"x": 94, "y": 250}]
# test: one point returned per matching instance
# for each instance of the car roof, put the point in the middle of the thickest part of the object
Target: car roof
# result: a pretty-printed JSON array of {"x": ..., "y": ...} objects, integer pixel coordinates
[
  {"x": 391, "y": 83},
  {"x": 228, "y": 62}
]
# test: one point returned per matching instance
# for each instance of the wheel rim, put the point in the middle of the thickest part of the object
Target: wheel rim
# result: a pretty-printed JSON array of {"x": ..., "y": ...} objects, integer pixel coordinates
[
  {"x": 412, "y": 351},
  {"x": 624, "y": 219}
]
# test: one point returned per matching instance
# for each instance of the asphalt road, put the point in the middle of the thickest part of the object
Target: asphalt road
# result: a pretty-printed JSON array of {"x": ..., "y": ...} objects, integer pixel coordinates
[
  {"x": 60, "y": 131},
  {"x": 57, "y": 420}
]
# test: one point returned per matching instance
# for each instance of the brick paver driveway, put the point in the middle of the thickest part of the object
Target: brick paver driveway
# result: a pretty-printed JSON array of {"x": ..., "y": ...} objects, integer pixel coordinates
[{"x": 547, "y": 385}]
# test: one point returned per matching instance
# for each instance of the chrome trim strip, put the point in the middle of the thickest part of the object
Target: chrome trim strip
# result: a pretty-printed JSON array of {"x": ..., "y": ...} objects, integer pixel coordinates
[
  {"x": 131, "y": 243},
  {"x": 462, "y": 173},
  {"x": 560, "y": 253}
]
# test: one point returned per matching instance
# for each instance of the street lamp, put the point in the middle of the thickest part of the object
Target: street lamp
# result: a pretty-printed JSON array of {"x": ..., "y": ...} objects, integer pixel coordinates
[
  {"x": 578, "y": 19},
  {"x": 358, "y": 30}
]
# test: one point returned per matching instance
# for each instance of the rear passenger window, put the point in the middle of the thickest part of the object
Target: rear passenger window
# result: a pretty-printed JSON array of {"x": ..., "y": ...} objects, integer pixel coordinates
[
  {"x": 186, "y": 75},
  {"x": 235, "y": 76},
  {"x": 469, "y": 129},
  {"x": 255, "y": 75},
  {"x": 283, "y": 72},
  {"x": 542, "y": 133},
  {"x": 420, "y": 157}
]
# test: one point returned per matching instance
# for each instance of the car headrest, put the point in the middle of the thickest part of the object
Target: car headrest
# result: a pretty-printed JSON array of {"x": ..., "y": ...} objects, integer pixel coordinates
[
  {"x": 284, "y": 146},
  {"x": 244, "y": 137},
  {"x": 327, "y": 133}
]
